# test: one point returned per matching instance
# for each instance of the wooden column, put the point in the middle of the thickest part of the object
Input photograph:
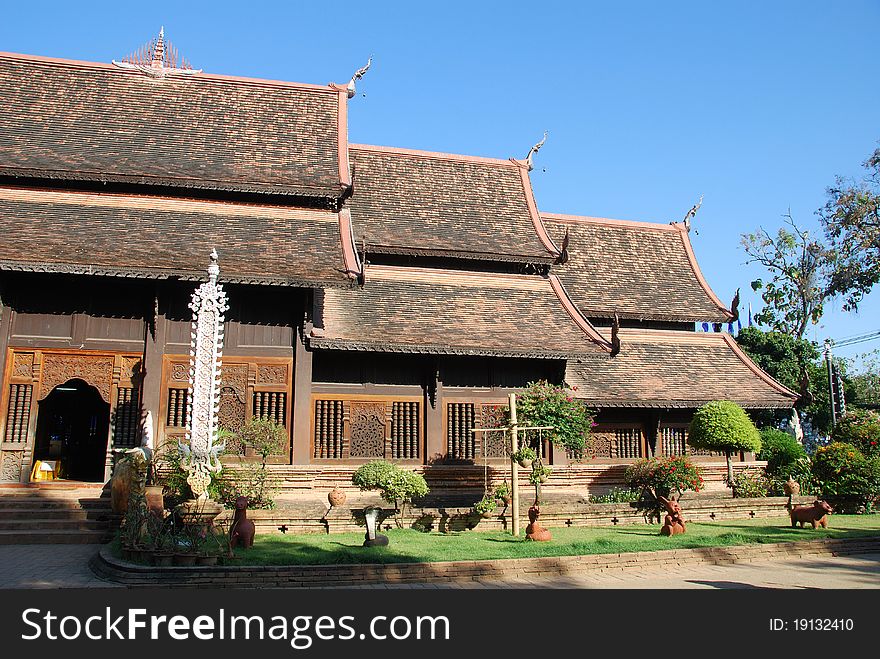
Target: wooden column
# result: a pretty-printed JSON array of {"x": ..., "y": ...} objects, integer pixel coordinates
[
  {"x": 435, "y": 440},
  {"x": 301, "y": 439},
  {"x": 151, "y": 387}
]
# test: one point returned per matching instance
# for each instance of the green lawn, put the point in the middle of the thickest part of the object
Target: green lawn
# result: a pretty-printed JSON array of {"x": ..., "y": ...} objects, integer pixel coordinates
[{"x": 409, "y": 546}]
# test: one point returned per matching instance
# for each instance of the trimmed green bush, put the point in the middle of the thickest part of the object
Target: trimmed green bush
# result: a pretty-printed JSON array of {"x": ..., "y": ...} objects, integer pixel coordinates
[
  {"x": 750, "y": 483},
  {"x": 722, "y": 425},
  {"x": 861, "y": 428},
  {"x": 845, "y": 475},
  {"x": 780, "y": 450},
  {"x": 395, "y": 484}
]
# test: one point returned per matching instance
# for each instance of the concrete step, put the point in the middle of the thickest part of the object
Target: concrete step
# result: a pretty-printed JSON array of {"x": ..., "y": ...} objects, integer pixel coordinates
[
  {"x": 54, "y": 513},
  {"x": 52, "y": 537},
  {"x": 40, "y": 524},
  {"x": 18, "y": 503}
]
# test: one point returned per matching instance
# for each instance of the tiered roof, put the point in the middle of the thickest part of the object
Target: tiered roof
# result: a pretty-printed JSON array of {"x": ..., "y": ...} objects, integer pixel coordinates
[
  {"x": 637, "y": 270},
  {"x": 426, "y": 310},
  {"x": 97, "y": 122},
  {"x": 156, "y": 237},
  {"x": 669, "y": 369},
  {"x": 438, "y": 204}
]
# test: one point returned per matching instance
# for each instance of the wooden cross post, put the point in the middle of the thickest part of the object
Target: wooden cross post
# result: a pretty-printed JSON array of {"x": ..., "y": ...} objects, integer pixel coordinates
[{"x": 513, "y": 428}]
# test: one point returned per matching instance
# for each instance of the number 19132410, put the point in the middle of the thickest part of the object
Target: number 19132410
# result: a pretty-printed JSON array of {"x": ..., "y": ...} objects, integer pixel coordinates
[{"x": 822, "y": 624}]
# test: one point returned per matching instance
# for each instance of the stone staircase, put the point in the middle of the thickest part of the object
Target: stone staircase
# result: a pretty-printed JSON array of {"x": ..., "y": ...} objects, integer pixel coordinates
[{"x": 55, "y": 513}]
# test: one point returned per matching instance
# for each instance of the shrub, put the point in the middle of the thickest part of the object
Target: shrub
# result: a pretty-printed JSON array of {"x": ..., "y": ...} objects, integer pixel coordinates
[
  {"x": 395, "y": 485},
  {"x": 722, "y": 425},
  {"x": 780, "y": 450},
  {"x": 615, "y": 495},
  {"x": 844, "y": 474},
  {"x": 861, "y": 428},
  {"x": 660, "y": 476},
  {"x": 750, "y": 483},
  {"x": 801, "y": 471},
  {"x": 545, "y": 404}
]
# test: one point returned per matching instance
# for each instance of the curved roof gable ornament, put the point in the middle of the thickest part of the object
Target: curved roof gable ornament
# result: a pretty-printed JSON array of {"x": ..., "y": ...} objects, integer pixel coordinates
[
  {"x": 350, "y": 88},
  {"x": 157, "y": 59},
  {"x": 691, "y": 214},
  {"x": 534, "y": 150}
]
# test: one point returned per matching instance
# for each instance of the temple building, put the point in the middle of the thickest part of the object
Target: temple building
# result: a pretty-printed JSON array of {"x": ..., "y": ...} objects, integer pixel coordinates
[{"x": 383, "y": 301}]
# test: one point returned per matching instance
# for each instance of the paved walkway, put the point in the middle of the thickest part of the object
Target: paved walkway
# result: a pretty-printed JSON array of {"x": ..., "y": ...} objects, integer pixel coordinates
[{"x": 66, "y": 566}]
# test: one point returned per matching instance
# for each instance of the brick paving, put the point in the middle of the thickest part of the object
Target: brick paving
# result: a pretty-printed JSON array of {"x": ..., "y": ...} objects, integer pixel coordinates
[{"x": 66, "y": 566}]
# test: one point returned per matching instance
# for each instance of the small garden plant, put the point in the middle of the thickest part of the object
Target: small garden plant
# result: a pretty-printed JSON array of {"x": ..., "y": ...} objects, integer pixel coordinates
[{"x": 395, "y": 485}]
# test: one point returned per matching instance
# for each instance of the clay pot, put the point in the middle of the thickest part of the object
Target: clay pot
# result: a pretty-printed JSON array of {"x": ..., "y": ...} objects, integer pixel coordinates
[
  {"x": 185, "y": 560},
  {"x": 155, "y": 499},
  {"x": 163, "y": 558},
  {"x": 336, "y": 497},
  {"x": 525, "y": 464},
  {"x": 207, "y": 559}
]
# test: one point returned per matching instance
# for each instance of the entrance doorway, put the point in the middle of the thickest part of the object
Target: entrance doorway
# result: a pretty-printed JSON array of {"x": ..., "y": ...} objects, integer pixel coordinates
[{"x": 73, "y": 422}]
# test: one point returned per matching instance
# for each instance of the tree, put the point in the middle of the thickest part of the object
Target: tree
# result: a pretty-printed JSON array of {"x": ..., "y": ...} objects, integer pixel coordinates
[
  {"x": 801, "y": 271},
  {"x": 797, "y": 363},
  {"x": 722, "y": 425},
  {"x": 851, "y": 219}
]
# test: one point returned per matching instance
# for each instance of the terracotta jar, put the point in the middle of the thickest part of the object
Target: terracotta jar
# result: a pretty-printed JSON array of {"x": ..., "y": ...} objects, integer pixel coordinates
[{"x": 336, "y": 497}]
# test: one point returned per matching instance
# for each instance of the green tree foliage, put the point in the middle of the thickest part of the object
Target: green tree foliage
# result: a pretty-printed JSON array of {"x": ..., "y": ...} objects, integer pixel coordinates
[
  {"x": 781, "y": 451},
  {"x": 844, "y": 474},
  {"x": 787, "y": 359},
  {"x": 546, "y": 404},
  {"x": 861, "y": 428},
  {"x": 395, "y": 485},
  {"x": 800, "y": 283},
  {"x": 851, "y": 219},
  {"x": 663, "y": 476},
  {"x": 722, "y": 425}
]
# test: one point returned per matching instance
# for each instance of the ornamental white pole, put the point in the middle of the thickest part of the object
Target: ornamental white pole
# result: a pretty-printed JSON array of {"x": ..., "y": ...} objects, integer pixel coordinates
[{"x": 514, "y": 467}]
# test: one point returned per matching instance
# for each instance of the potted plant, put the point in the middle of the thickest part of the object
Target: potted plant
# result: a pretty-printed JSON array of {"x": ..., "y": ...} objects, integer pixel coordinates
[
  {"x": 503, "y": 493},
  {"x": 485, "y": 506},
  {"x": 188, "y": 542},
  {"x": 524, "y": 456},
  {"x": 540, "y": 474},
  {"x": 131, "y": 532},
  {"x": 154, "y": 490}
]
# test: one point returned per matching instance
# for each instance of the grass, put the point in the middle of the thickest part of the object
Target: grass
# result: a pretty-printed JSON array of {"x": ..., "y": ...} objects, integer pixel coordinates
[{"x": 411, "y": 546}]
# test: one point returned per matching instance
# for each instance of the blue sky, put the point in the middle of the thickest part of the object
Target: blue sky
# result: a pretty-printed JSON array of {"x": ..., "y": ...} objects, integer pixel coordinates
[{"x": 757, "y": 106}]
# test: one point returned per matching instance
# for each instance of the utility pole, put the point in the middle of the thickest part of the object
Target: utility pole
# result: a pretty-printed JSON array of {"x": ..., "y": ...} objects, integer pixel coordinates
[{"x": 830, "y": 368}]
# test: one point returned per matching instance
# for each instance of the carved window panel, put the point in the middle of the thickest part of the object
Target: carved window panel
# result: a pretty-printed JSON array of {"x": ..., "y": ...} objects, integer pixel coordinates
[
  {"x": 494, "y": 444},
  {"x": 177, "y": 407},
  {"x": 368, "y": 425},
  {"x": 616, "y": 442},
  {"x": 405, "y": 431},
  {"x": 329, "y": 428},
  {"x": 460, "y": 441},
  {"x": 673, "y": 440},
  {"x": 271, "y": 405},
  {"x": 18, "y": 413},
  {"x": 127, "y": 422}
]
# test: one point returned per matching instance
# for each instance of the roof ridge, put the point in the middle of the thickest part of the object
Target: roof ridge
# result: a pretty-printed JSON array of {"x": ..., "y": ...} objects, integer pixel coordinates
[
  {"x": 560, "y": 217},
  {"x": 214, "y": 77},
  {"x": 757, "y": 370},
  {"x": 692, "y": 259},
  {"x": 435, "y": 155}
]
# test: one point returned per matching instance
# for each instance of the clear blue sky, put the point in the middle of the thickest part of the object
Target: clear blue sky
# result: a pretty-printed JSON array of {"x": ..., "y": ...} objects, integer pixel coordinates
[{"x": 755, "y": 105}]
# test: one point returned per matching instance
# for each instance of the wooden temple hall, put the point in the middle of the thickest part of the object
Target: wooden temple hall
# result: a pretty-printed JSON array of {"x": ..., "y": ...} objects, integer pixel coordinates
[{"x": 383, "y": 301}]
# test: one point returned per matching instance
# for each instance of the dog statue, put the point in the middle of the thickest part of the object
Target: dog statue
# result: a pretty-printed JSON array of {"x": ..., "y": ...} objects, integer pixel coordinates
[
  {"x": 673, "y": 524},
  {"x": 817, "y": 514},
  {"x": 242, "y": 530}
]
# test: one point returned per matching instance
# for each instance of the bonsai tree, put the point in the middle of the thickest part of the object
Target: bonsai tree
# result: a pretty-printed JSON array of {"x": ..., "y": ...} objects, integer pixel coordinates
[
  {"x": 722, "y": 425},
  {"x": 395, "y": 485}
]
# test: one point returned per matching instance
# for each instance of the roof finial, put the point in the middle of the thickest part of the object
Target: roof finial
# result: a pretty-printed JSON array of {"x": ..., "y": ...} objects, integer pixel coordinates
[
  {"x": 535, "y": 150},
  {"x": 691, "y": 214},
  {"x": 157, "y": 59},
  {"x": 350, "y": 89},
  {"x": 213, "y": 267}
]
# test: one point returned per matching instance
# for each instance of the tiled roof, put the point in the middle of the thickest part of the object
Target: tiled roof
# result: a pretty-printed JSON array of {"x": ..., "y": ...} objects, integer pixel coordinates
[
  {"x": 657, "y": 368},
  {"x": 155, "y": 237},
  {"x": 420, "y": 203},
  {"x": 453, "y": 312},
  {"x": 95, "y": 122},
  {"x": 635, "y": 269}
]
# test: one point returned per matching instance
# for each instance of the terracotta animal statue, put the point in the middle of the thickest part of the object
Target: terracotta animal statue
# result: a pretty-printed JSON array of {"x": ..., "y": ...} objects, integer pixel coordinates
[
  {"x": 673, "y": 523},
  {"x": 243, "y": 530},
  {"x": 817, "y": 514},
  {"x": 534, "y": 531}
]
